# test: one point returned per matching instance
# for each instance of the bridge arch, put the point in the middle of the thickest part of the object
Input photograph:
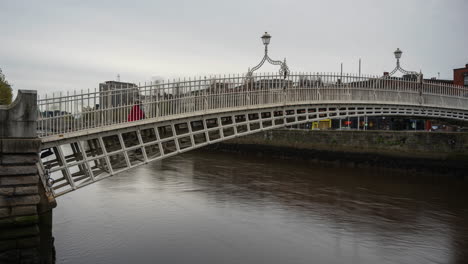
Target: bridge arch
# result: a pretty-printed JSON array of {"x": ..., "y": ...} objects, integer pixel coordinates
[
  {"x": 77, "y": 160},
  {"x": 83, "y": 144}
]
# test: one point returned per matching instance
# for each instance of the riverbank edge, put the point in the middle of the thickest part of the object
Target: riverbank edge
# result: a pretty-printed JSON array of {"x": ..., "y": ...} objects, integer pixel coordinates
[{"x": 414, "y": 152}]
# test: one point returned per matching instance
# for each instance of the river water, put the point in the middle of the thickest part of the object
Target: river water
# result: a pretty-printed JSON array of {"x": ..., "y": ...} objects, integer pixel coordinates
[{"x": 210, "y": 207}]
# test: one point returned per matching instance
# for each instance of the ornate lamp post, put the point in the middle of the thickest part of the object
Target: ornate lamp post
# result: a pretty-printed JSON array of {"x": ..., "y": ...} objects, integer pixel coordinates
[
  {"x": 398, "y": 54},
  {"x": 266, "y": 39},
  {"x": 419, "y": 76},
  {"x": 284, "y": 70}
]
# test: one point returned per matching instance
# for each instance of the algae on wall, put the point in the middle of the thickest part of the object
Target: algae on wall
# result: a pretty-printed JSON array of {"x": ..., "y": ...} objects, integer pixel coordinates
[{"x": 412, "y": 144}]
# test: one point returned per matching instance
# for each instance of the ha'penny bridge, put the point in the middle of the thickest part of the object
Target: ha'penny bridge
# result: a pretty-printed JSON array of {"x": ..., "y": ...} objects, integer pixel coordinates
[
  {"x": 51, "y": 145},
  {"x": 86, "y": 136},
  {"x": 82, "y": 143}
]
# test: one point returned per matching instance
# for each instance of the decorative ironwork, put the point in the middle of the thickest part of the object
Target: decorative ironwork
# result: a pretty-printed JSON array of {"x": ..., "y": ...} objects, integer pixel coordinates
[
  {"x": 284, "y": 70},
  {"x": 62, "y": 114},
  {"x": 398, "y": 54},
  {"x": 83, "y": 143}
]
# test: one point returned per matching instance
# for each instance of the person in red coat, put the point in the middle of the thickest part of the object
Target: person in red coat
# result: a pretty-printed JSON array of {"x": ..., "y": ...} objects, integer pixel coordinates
[{"x": 136, "y": 113}]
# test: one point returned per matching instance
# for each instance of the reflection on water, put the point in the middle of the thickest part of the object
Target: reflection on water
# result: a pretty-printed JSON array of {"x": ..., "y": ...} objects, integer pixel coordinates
[{"x": 227, "y": 208}]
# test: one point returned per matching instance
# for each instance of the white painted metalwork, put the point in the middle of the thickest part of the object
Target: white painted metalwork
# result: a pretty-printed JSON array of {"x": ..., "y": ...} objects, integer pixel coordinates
[
  {"x": 398, "y": 67},
  {"x": 85, "y": 142},
  {"x": 62, "y": 114},
  {"x": 284, "y": 70}
]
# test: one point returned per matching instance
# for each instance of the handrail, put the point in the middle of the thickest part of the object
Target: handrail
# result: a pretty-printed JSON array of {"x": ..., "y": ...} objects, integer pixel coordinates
[{"x": 75, "y": 111}]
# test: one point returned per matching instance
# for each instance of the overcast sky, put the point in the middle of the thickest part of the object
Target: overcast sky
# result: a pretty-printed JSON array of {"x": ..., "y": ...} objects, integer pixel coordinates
[{"x": 62, "y": 45}]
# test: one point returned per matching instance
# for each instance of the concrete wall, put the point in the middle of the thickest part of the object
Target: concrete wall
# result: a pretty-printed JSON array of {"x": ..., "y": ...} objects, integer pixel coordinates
[
  {"x": 438, "y": 152},
  {"x": 20, "y": 185}
]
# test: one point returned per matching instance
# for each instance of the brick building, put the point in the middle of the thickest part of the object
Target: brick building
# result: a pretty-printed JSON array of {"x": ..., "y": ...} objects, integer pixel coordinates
[{"x": 460, "y": 76}]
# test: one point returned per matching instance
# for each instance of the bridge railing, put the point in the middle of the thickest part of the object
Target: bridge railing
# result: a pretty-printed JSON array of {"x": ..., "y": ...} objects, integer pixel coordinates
[{"x": 75, "y": 111}]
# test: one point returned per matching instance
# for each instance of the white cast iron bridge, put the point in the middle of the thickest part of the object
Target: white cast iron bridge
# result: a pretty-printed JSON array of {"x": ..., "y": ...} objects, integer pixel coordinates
[{"x": 87, "y": 136}]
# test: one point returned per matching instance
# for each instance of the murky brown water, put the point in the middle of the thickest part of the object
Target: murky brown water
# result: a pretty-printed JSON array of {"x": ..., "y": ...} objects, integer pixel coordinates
[{"x": 228, "y": 208}]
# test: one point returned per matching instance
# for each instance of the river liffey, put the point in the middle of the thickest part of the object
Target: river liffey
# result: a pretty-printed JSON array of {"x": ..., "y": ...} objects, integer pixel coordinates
[{"x": 229, "y": 208}]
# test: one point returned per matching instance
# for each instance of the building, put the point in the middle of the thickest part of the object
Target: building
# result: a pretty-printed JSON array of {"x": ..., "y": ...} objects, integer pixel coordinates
[
  {"x": 438, "y": 81},
  {"x": 460, "y": 76},
  {"x": 413, "y": 77},
  {"x": 114, "y": 94}
]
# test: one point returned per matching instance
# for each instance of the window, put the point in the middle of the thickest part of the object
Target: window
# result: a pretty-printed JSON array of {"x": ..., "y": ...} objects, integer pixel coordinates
[{"x": 465, "y": 82}]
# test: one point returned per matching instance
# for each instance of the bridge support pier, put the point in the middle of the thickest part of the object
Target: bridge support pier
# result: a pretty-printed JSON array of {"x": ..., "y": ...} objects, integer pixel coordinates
[{"x": 22, "y": 195}]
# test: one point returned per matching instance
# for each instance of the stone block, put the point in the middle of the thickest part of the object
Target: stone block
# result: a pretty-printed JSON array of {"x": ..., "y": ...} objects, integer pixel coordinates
[
  {"x": 17, "y": 170},
  {"x": 24, "y": 145},
  {"x": 19, "y": 200},
  {"x": 19, "y": 118},
  {"x": 5, "y": 245},
  {"x": 10, "y": 255},
  {"x": 6, "y": 191},
  {"x": 18, "y": 221},
  {"x": 26, "y": 220},
  {"x": 18, "y": 232},
  {"x": 29, "y": 255},
  {"x": 21, "y": 129},
  {"x": 4, "y": 212},
  {"x": 28, "y": 242},
  {"x": 32, "y": 179},
  {"x": 6, "y": 222},
  {"x": 22, "y": 190},
  {"x": 4, "y": 200},
  {"x": 23, "y": 210},
  {"x": 11, "y": 159}
]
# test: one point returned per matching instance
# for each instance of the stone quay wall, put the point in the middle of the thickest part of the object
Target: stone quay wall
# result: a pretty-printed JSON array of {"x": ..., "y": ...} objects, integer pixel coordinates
[
  {"x": 439, "y": 153},
  {"x": 19, "y": 193},
  {"x": 20, "y": 188}
]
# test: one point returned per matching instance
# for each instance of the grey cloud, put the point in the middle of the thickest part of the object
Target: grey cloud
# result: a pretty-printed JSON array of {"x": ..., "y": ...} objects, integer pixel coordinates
[{"x": 59, "y": 45}]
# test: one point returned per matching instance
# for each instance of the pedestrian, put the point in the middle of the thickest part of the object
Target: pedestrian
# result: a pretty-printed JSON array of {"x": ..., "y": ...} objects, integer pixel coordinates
[{"x": 136, "y": 113}]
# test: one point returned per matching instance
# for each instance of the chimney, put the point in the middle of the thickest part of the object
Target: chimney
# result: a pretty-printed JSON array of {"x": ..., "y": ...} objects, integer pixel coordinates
[{"x": 385, "y": 74}]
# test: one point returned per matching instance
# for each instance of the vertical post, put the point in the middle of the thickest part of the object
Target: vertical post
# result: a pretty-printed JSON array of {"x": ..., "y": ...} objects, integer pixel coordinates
[
  {"x": 341, "y": 74},
  {"x": 359, "y": 67},
  {"x": 205, "y": 96},
  {"x": 420, "y": 86}
]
